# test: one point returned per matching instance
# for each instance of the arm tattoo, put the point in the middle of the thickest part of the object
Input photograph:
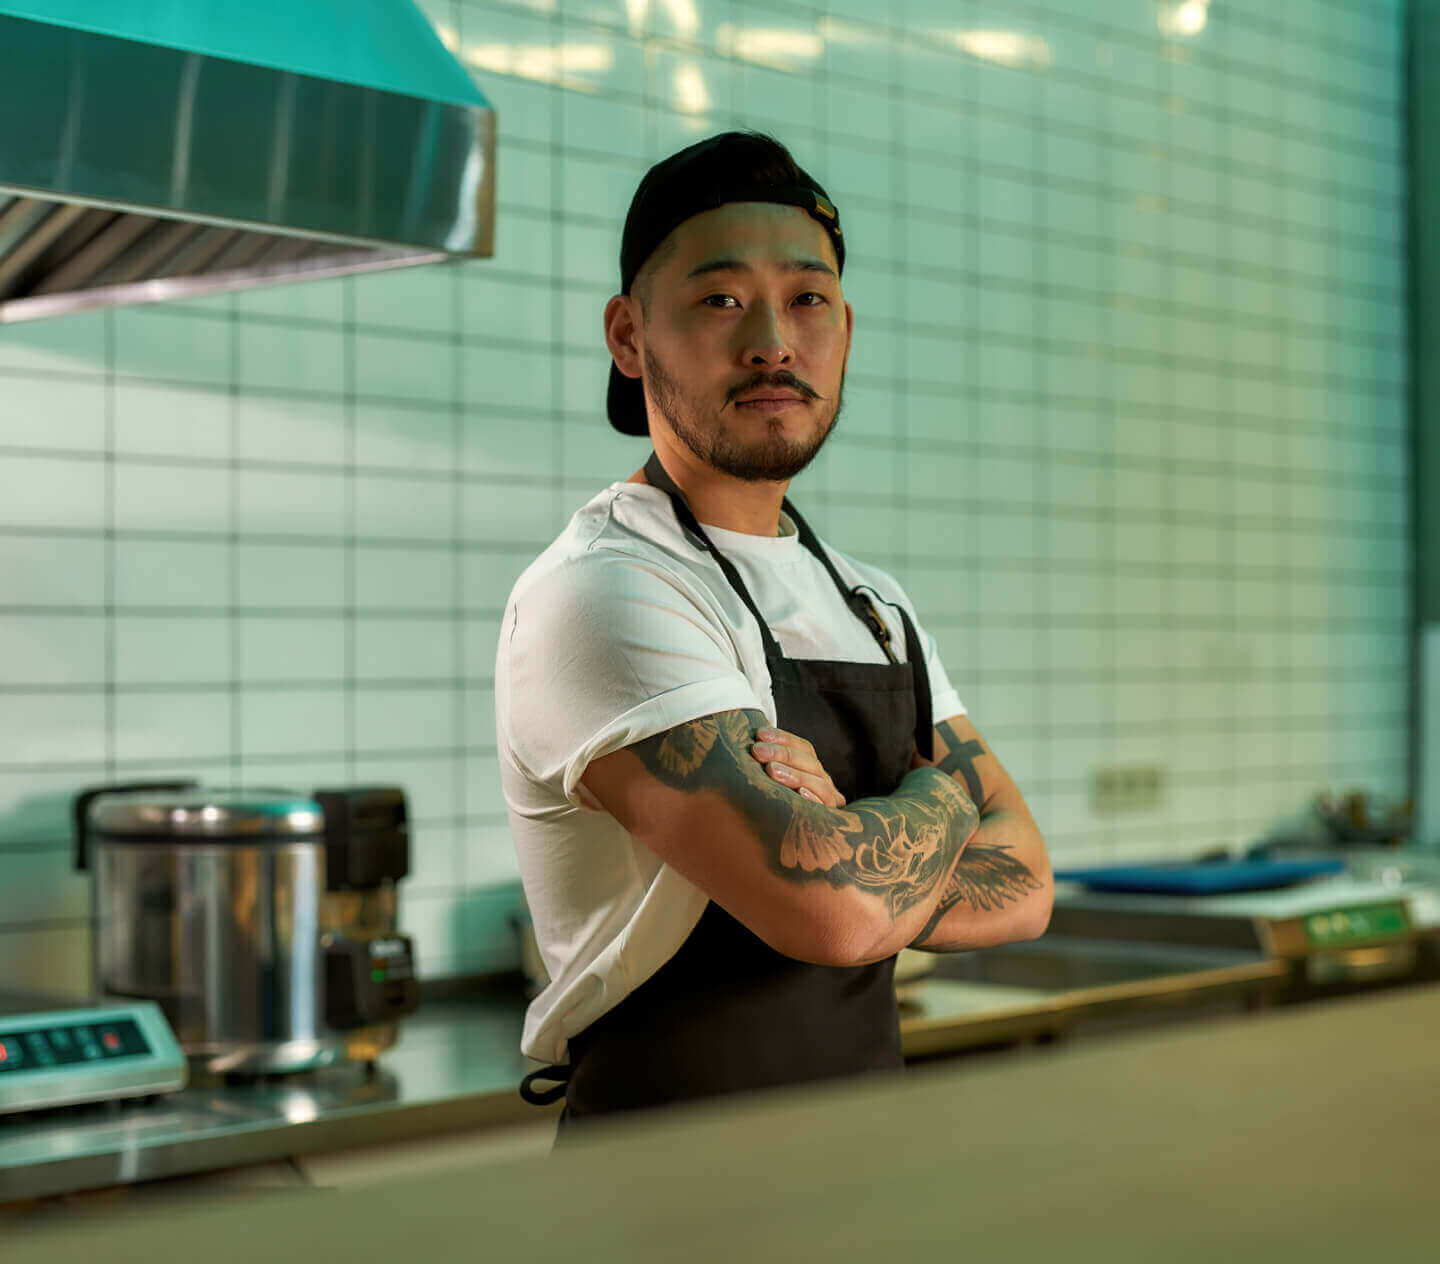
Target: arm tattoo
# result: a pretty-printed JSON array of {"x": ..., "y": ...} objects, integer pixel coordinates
[
  {"x": 900, "y": 846},
  {"x": 987, "y": 878},
  {"x": 960, "y": 757}
]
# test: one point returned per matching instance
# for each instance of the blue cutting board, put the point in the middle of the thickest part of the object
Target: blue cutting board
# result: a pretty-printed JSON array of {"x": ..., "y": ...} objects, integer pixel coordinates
[{"x": 1203, "y": 878}]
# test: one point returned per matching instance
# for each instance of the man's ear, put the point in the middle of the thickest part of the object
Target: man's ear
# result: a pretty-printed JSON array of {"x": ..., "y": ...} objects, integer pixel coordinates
[
  {"x": 849, "y": 327},
  {"x": 622, "y": 334}
]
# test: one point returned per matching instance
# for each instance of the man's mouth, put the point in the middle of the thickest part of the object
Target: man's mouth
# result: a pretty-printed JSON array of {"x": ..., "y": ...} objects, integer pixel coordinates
[
  {"x": 764, "y": 398},
  {"x": 772, "y": 396}
]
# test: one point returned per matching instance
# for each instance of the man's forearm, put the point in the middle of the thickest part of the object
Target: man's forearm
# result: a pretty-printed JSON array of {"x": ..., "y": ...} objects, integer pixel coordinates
[
  {"x": 888, "y": 856},
  {"x": 1002, "y": 888},
  {"x": 1000, "y": 891}
]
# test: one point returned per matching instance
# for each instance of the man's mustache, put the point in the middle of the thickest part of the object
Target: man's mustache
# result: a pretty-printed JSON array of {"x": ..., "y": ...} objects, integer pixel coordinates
[{"x": 781, "y": 378}]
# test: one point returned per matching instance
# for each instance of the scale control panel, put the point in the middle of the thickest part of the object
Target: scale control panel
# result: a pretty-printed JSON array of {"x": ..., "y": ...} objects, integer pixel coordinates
[
  {"x": 64, "y": 1057},
  {"x": 1335, "y": 927}
]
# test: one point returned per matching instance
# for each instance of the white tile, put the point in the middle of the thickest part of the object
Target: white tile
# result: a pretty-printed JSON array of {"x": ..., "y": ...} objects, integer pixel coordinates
[
  {"x": 421, "y": 298},
  {"x": 405, "y": 368},
  {"x": 171, "y": 573},
  {"x": 405, "y": 578},
  {"x": 283, "y": 358},
  {"x": 290, "y": 575},
  {"x": 52, "y": 649},
  {"x": 502, "y": 446},
  {"x": 154, "y": 341},
  {"x": 289, "y": 649},
  {"x": 497, "y": 513},
  {"x": 404, "y": 720},
  {"x": 43, "y": 570},
  {"x": 172, "y": 497},
  {"x": 395, "y": 436},
  {"x": 404, "y": 649},
  {"x": 496, "y": 377},
  {"x": 51, "y": 492},
  {"x": 170, "y": 421},
  {"x": 173, "y": 726},
  {"x": 405, "y": 508},
  {"x": 289, "y": 429},
  {"x": 499, "y": 307},
  {"x": 50, "y": 412},
  {"x": 158, "y": 650},
  {"x": 281, "y": 502},
  {"x": 436, "y": 860},
  {"x": 292, "y": 721}
]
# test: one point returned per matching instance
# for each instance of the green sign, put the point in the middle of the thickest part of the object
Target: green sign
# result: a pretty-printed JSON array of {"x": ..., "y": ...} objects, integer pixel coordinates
[{"x": 1353, "y": 925}]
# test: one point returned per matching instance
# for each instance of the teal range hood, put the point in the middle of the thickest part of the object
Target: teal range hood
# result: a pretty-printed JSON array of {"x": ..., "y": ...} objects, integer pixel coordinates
[{"x": 154, "y": 149}]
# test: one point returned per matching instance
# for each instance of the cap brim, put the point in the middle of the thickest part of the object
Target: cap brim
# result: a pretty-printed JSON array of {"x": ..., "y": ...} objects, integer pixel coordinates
[{"x": 625, "y": 404}]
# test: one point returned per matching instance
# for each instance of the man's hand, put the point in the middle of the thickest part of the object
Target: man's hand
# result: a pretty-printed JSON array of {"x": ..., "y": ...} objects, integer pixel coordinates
[{"x": 792, "y": 761}]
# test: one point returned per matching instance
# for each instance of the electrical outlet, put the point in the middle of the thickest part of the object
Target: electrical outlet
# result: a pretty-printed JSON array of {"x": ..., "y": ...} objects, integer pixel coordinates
[{"x": 1126, "y": 788}]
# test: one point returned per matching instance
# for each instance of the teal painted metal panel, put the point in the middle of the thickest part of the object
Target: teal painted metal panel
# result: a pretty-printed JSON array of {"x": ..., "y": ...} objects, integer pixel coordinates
[{"x": 385, "y": 44}]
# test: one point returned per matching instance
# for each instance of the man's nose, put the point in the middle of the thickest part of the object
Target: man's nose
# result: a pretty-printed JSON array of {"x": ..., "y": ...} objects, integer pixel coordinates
[{"x": 764, "y": 339}]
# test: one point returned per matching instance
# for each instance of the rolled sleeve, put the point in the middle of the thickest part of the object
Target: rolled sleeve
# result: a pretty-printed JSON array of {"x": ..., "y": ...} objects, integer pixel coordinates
[{"x": 601, "y": 653}]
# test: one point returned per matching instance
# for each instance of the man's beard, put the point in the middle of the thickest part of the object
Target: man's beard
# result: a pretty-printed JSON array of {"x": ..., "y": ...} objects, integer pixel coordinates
[{"x": 771, "y": 459}]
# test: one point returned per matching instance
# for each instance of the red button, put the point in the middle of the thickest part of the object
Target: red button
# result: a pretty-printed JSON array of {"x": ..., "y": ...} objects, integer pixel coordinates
[{"x": 110, "y": 1040}]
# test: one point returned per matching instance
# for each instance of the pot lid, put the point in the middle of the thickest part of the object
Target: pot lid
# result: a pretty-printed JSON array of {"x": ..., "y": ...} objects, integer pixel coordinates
[{"x": 213, "y": 814}]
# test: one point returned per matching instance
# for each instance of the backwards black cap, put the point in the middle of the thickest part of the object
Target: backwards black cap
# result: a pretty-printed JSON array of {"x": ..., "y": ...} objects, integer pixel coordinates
[{"x": 730, "y": 167}]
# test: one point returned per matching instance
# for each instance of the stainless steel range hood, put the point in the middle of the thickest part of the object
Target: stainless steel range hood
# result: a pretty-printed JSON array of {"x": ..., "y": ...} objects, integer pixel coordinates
[{"x": 154, "y": 149}]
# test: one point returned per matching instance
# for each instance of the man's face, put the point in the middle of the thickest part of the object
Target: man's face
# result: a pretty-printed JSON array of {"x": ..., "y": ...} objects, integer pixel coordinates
[{"x": 745, "y": 336}]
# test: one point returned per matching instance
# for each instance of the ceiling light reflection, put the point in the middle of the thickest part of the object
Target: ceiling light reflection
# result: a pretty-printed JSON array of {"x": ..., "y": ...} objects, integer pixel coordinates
[
  {"x": 1005, "y": 48},
  {"x": 548, "y": 63},
  {"x": 774, "y": 45},
  {"x": 684, "y": 16},
  {"x": 1184, "y": 19},
  {"x": 691, "y": 94}
]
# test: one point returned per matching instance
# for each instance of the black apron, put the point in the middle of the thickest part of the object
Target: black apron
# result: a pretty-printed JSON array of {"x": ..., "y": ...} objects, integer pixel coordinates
[{"x": 728, "y": 1013}]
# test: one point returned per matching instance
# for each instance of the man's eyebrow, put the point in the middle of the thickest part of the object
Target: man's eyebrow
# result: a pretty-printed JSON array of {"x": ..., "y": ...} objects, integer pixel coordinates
[{"x": 725, "y": 264}]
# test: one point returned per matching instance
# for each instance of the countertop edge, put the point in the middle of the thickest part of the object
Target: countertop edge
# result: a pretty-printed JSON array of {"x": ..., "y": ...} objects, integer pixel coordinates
[{"x": 239, "y": 1148}]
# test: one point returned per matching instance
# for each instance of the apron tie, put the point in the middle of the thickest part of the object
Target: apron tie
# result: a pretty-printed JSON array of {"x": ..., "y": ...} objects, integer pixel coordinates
[{"x": 560, "y": 1075}]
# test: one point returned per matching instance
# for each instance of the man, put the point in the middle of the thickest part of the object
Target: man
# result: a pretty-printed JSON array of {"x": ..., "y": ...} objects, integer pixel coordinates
[{"x": 730, "y": 796}]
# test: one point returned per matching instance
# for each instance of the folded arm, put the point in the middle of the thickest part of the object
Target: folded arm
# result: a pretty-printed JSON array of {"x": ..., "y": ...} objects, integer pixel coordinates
[
  {"x": 837, "y": 886},
  {"x": 1002, "y": 889}
]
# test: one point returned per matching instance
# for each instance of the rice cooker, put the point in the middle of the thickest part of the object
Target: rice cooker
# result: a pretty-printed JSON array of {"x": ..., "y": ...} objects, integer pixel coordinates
[{"x": 263, "y": 922}]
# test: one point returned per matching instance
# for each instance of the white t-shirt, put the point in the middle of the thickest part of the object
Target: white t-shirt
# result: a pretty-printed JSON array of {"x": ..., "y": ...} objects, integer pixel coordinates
[{"x": 619, "y": 630}]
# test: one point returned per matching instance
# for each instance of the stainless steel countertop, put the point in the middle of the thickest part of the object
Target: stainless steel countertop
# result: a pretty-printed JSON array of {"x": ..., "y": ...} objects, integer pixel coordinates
[{"x": 456, "y": 1066}]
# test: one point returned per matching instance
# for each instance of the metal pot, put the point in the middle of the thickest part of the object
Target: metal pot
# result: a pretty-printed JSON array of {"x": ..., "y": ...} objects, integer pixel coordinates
[{"x": 263, "y": 922}]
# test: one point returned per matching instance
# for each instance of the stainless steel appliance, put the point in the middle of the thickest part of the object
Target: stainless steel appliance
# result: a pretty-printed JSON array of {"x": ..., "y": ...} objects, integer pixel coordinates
[
  {"x": 263, "y": 923},
  {"x": 156, "y": 150}
]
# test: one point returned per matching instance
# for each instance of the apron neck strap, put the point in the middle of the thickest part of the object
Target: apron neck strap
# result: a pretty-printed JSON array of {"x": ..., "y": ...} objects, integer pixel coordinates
[
  {"x": 858, "y": 602},
  {"x": 657, "y": 475}
]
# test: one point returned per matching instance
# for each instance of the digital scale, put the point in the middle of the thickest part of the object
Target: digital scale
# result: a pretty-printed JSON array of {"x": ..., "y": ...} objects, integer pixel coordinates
[
  {"x": 85, "y": 1053},
  {"x": 1340, "y": 930}
]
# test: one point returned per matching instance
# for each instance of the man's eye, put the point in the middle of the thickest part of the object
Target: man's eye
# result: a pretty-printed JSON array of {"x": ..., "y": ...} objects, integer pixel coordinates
[
  {"x": 720, "y": 300},
  {"x": 810, "y": 299}
]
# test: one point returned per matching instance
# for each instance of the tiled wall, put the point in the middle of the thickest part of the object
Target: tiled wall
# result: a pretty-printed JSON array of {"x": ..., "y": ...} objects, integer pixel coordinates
[{"x": 1125, "y": 412}]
